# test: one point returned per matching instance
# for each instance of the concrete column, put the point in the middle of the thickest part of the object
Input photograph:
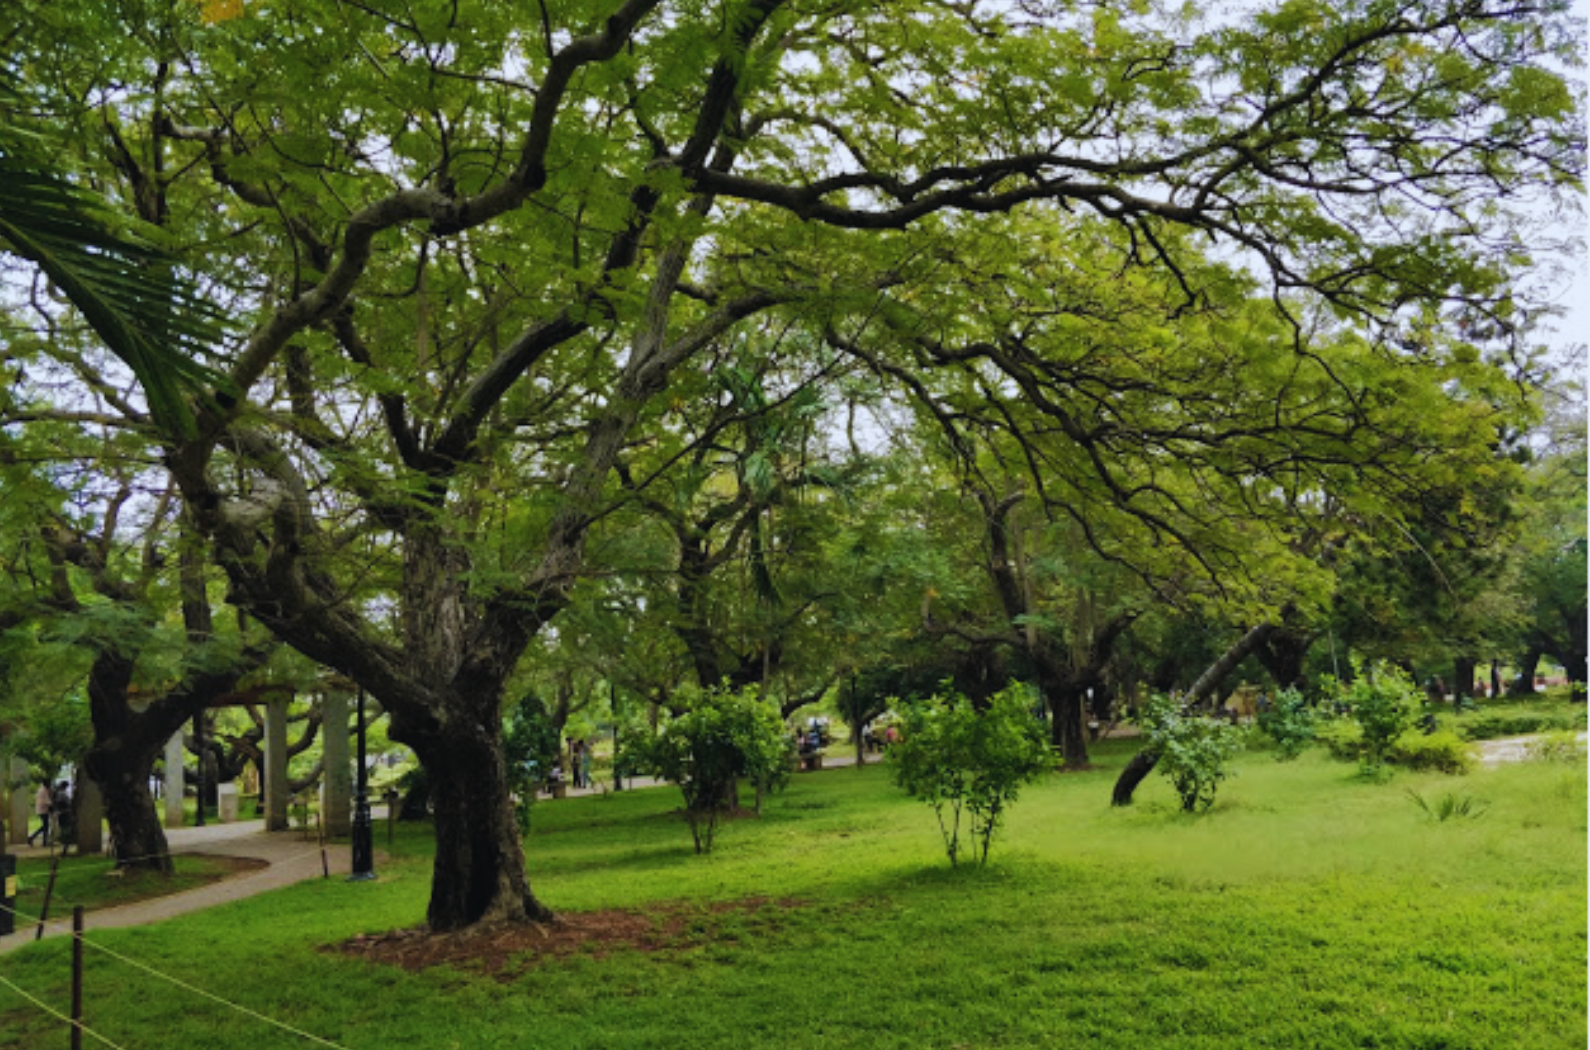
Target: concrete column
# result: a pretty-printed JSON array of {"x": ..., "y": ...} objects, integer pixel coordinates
[
  {"x": 88, "y": 806},
  {"x": 20, "y": 811},
  {"x": 174, "y": 755},
  {"x": 276, "y": 763},
  {"x": 337, "y": 791}
]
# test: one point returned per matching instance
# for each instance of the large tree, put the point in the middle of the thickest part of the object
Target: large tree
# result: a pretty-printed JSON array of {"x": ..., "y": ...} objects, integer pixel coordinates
[{"x": 479, "y": 256}]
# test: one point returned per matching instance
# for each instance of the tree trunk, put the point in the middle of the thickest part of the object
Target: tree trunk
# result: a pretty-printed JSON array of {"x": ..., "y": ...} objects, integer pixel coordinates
[
  {"x": 479, "y": 873},
  {"x": 1144, "y": 761},
  {"x": 1067, "y": 722},
  {"x": 1282, "y": 655},
  {"x": 123, "y": 778},
  {"x": 1463, "y": 677},
  {"x": 1524, "y": 684},
  {"x": 1141, "y": 765}
]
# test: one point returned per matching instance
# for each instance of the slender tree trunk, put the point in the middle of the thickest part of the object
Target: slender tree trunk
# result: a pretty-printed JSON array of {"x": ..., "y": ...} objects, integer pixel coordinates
[
  {"x": 1144, "y": 761},
  {"x": 1524, "y": 684},
  {"x": 1463, "y": 677}
]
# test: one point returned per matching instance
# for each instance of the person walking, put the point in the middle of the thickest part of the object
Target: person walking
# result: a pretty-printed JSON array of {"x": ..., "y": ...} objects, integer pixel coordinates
[
  {"x": 61, "y": 802},
  {"x": 585, "y": 763},
  {"x": 43, "y": 803}
]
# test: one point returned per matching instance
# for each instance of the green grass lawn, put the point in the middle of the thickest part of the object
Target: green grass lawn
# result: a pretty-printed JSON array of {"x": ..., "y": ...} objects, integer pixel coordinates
[
  {"x": 93, "y": 882},
  {"x": 1310, "y": 908}
]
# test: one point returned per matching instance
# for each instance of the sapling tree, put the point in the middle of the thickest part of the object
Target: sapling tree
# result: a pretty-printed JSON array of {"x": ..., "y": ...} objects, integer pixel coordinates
[
  {"x": 969, "y": 762},
  {"x": 725, "y": 735},
  {"x": 1289, "y": 722},
  {"x": 1193, "y": 750},
  {"x": 1385, "y": 703}
]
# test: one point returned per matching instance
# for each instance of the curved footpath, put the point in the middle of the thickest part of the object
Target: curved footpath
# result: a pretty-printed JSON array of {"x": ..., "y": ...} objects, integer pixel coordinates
[{"x": 290, "y": 857}]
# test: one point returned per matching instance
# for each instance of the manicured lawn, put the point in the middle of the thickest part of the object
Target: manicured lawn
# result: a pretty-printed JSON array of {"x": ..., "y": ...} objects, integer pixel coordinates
[
  {"x": 93, "y": 882},
  {"x": 1308, "y": 909}
]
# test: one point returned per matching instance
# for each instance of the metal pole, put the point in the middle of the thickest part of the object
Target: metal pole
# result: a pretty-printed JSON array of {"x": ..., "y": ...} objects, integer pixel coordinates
[
  {"x": 363, "y": 846},
  {"x": 77, "y": 978}
]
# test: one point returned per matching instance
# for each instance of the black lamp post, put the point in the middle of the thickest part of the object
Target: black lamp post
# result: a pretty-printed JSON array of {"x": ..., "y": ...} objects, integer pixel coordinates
[{"x": 363, "y": 846}]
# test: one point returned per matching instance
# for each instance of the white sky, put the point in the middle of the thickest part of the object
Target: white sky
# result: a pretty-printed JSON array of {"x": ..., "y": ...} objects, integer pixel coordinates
[{"x": 1575, "y": 328}]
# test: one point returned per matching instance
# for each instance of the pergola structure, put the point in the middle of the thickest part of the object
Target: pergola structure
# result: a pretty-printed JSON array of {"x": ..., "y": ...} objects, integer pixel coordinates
[{"x": 337, "y": 780}]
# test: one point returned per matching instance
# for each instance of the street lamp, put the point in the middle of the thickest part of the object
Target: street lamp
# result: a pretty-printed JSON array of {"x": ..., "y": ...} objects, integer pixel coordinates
[{"x": 363, "y": 847}]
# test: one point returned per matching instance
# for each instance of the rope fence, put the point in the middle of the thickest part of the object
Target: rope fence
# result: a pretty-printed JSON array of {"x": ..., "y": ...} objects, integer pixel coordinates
[{"x": 58, "y": 925}]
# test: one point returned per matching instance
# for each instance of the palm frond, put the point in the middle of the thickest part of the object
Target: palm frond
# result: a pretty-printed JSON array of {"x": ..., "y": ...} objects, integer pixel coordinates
[{"x": 126, "y": 287}]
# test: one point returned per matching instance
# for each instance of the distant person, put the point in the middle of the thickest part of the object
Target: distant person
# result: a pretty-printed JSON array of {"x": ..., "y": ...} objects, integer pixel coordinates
[
  {"x": 585, "y": 764},
  {"x": 62, "y": 804},
  {"x": 43, "y": 804}
]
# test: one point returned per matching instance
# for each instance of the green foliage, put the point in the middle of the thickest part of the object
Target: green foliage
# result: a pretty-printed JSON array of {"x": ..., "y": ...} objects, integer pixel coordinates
[
  {"x": 529, "y": 749},
  {"x": 968, "y": 762},
  {"x": 1566, "y": 746},
  {"x": 1384, "y": 703},
  {"x": 1442, "y": 752},
  {"x": 112, "y": 269},
  {"x": 1193, "y": 751},
  {"x": 1290, "y": 723},
  {"x": 1450, "y": 806},
  {"x": 724, "y": 736},
  {"x": 1490, "y": 725}
]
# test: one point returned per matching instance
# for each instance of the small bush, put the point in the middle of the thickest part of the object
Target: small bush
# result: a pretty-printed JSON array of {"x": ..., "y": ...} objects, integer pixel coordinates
[
  {"x": 1290, "y": 722},
  {"x": 962, "y": 761},
  {"x": 1450, "y": 806},
  {"x": 1192, "y": 751},
  {"x": 1564, "y": 746},
  {"x": 723, "y": 737},
  {"x": 1492, "y": 725},
  {"x": 1385, "y": 704},
  {"x": 1341, "y": 737},
  {"x": 1442, "y": 752}
]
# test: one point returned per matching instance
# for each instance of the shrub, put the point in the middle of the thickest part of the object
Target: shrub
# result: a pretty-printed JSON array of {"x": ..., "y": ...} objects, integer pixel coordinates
[
  {"x": 1564, "y": 746},
  {"x": 1341, "y": 737},
  {"x": 529, "y": 751},
  {"x": 1443, "y": 752},
  {"x": 965, "y": 762},
  {"x": 1490, "y": 725},
  {"x": 1385, "y": 704},
  {"x": 1192, "y": 751},
  {"x": 723, "y": 737},
  {"x": 1290, "y": 722}
]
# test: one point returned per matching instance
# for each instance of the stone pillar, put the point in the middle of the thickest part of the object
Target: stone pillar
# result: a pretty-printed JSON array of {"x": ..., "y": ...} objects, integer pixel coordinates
[
  {"x": 174, "y": 780},
  {"x": 88, "y": 807},
  {"x": 276, "y": 763},
  {"x": 336, "y": 807},
  {"x": 20, "y": 810}
]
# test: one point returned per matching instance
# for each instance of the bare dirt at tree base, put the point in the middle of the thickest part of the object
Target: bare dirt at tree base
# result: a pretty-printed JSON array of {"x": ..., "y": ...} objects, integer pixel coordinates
[{"x": 506, "y": 950}]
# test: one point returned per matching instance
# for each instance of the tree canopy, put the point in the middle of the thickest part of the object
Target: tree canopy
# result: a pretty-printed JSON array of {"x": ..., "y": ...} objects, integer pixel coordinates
[{"x": 1214, "y": 289}]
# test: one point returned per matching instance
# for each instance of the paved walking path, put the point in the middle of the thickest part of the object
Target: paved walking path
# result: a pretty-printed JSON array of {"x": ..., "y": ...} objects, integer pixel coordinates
[
  {"x": 289, "y": 857},
  {"x": 1510, "y": 749}
]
